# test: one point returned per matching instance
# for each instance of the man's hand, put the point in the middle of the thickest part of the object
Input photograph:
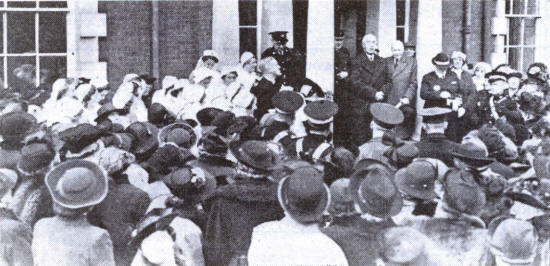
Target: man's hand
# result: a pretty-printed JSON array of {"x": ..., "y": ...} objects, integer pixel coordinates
[
  {"x": 342, "y": 75},
  {"x": 404, "y": 101},
  {"x": 379, "y": 95},
  {"x": 445, "y": 95}
]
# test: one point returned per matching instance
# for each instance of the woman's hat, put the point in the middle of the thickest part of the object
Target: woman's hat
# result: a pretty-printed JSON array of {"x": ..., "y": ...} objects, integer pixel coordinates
[
  {"x": 79, "y": 137},
  {"x": 375, "y": 192},
  {"x": 514, "y": 241},
  {"x": 441, "y": 59},
  {"x": 190, "y": 183},
  {"x": 255, "y": 154},
  {"x": 417, "y": 180},
  {"x": 145, "y": 138},
  {"x": 245, "y": 57},
  {"x": 303, "y": 195},
  {"x": 16, "y": 125},
  {"x": 36, "y": 157},
  {"x": 472, "y": 154},
  {"x": 341, "y": 202},
  {"x": 458, "y": 54},
  {"x": 462, "y": 193},
  {"x": 210, "y": 54},
  {"x": 77, "y": 184},
  {"x": 157, "y": 219},
  {"x": 180, "y": 134},
  {"x": 402, "y": 245},
  {"x": 105, "y": 110},
  {"x": 206, "y": 115}
]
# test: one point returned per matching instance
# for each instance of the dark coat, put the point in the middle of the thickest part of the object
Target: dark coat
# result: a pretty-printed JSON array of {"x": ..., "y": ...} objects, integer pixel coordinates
[
  {"x": 309, "y": 144},
  {"x": 234, "y": 211},
  {"x": 437, "y": 146},
  {"x": 292, "y": 64},
  {"x": 358, "y": 239},
  {"x": 342, "y": 63},
  {"x": 264, "y": 91},
  {"x": 432, "y": 86},
  {"x": 403, "y": 80},
  {"x": 119, "y": 213},
  {"x": 367, "y": 78}
]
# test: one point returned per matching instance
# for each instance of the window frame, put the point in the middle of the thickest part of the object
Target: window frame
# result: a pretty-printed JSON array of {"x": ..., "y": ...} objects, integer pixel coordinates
[
  {"x": 36, "y": 54},
  {"x": 406, "y": 26},
  {"x": 509, "y": 14},
  {"x": 257, "y": 26}
]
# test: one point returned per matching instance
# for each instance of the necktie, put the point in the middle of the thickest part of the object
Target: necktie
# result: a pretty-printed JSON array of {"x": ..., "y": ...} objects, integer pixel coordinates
[{"x": 395, "y": 63}]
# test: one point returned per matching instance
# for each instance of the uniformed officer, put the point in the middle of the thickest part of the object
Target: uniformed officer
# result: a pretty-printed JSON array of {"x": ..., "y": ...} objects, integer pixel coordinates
[
  {"x": 342, "y": 65},
  {"x": 290, "y": 60},
  {"x": 435, "y": 144},
  {"x": 277, "y": 122},
  {"x": 315, "y": 145}
]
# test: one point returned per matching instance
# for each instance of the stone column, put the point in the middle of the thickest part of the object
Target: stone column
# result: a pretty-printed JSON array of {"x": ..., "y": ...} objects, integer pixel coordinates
[
  {"x": 499, "y": 30},
  {"x": 276, "y": 16},
  {"x": 225, "y": 30},
  {"x": 320, "y": 44},
  {"x": 387, "y": 32},
  {"x": 542, "y": 35},
  {"x": 429, "y": 42}
]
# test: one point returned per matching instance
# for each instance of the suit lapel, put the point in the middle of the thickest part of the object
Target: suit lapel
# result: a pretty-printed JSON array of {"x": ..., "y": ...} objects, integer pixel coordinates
[
  {"x": 400, "y": 66},
  {"x": 367, "y": 64}
]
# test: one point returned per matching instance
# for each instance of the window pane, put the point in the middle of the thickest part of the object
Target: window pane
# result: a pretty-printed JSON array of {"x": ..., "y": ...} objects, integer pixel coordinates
[
  {"x": 247, "y": 40},
  {"x": 518, "y": 6},
  {"x": 56, "y": 4},
  {"x": 532, "y": 7},
  {"x": 514, "y": 27},
  {"x": 513, "y": 57},
  {"x": 52, "y": 68},
  {"x": 247, "y": 12},
  {"x": 401, "y": 34},
  {"x": 25, "y": 74},
  {"x": 400, "y": 12},
  {"x": 529, "y": 37},
  {"x": 21, "y": 32},
  {"x": 26, "y": 4},
  {"x": 53, "y": 35}
]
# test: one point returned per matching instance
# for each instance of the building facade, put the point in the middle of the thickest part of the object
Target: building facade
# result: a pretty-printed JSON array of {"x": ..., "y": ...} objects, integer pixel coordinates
[{"x": 108, "y": 39}]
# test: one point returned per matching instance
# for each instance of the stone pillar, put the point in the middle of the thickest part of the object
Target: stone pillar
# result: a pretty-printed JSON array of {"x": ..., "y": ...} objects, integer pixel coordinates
[
  {"x": 542, "y": 35},
  {"x": 387, "y": 32},
  {"x": 429, "y": 42},
  {"x": 499, "y": 30},
  {"x": 320, "y": 44},
  {"x": 84, "y": 27},
  {"x": 225, "y": 30},
  {"x": 276, "y": 16}
]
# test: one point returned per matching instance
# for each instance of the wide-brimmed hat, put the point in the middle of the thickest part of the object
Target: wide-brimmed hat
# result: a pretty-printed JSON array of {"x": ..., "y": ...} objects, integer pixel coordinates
[
  {"x": 157, "y": 219},
  {"x": 462, "y": 193},
  {"x": 514, "y": 241},
  {"x": 180, "y": 134},
  {"x": 159, "y": 115},
  {"x": 366, "y": 162},
  {"x": 36, "y": 157},
  {"x": 255, "y": 154},
  {"x": 80, "y": 136},
  {"x": 472, "y": 154},
  {"x": 417, "y": 180},
  {"x": 190, "y": 183},
  {"x": 375, "y": 192},
  {"x": 341, "y": 200},
  {"x": 213, "y": 145},
  {"x": 206, "y": 115},
  {"x": 105, "y": 110},
  {"x": 402, "y": 245},
  {"x": 303, "y": 195},
  {"x": 386, "y": 115},
  {"x": 16, "y": 125},
  {"x": 77, "y": 184},
  {"x": 145, "y": 138},
  {"x": 441, "y": 59}
]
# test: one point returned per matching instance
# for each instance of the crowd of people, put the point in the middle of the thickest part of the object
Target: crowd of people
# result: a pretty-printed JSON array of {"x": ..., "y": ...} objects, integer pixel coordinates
[{"x": 255, "y": 164}]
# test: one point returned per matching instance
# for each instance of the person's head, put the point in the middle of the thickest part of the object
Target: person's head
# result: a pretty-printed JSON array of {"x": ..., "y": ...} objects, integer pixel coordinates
[
  {"x": 397, "y": 49},
  {"x": 229, "y": 76},
  {"x": 339, "y": 40},
  {"x": 514, "y": 242},
  {"x": 410, "y": 49},
  {"x": 209, "y": 58},
  {"x": 279, "y": 39},
  {"x": 205, "y": 82},
  {"x": 269, "y": 66},
  {"x": 403, "y": 246},
  {"x": 369, "y": 44},
  {"x": 458, "y": 59},
  {"x": 514, "y": 80},
  {"x": 481, "y": 68},
  {"x": 249, "y": 62},
  {"x": 434, "y": 119},
  {"x": 441, "y": 62}
]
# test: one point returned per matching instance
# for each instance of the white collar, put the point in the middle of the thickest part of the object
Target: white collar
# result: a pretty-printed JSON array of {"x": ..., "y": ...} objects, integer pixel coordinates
[
  {"x": 270, "y": 78},
  {"x": 441, "y": 75}
]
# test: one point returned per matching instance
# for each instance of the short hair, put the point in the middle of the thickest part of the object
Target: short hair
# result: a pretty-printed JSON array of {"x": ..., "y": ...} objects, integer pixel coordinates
[
  {"x": 368, "y": 35},
  {"x": 397, "y": 43},
  {"x": 265, "y": 62}
]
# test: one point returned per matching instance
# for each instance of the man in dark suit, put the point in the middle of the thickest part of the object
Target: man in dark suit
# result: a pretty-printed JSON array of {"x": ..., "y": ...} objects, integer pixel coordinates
[
  {"x": 403, "y": 76},
  {"x": 369, "y": 77},
  {"x": 291, "y": 61},
  {"x": 441, "y": 88},
  {"x": 342, "y": 63},
  {"x": 435, "y": 144},
  {"x": 267, "y": 87}
]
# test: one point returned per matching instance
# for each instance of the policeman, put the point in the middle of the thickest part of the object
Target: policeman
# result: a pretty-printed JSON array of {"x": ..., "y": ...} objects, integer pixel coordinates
[
  {"x": 277, "y": 122},
  {"x": 290, "y": 60},
  {"x": 342, "y": 65}
]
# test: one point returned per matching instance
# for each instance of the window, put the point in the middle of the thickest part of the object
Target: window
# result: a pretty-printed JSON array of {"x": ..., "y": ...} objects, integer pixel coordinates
[
  {"x": 403, "y": 11},
  {"x": 248, "y": 26},
  {"x": 522, "y": 18},
  {"x": 34, "y": 37}
]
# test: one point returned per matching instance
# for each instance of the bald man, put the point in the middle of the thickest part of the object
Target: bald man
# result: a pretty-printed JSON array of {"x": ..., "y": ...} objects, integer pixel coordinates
[
  {"x": 369, "y": 80},
  {"x": 403, "y": 76}
]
